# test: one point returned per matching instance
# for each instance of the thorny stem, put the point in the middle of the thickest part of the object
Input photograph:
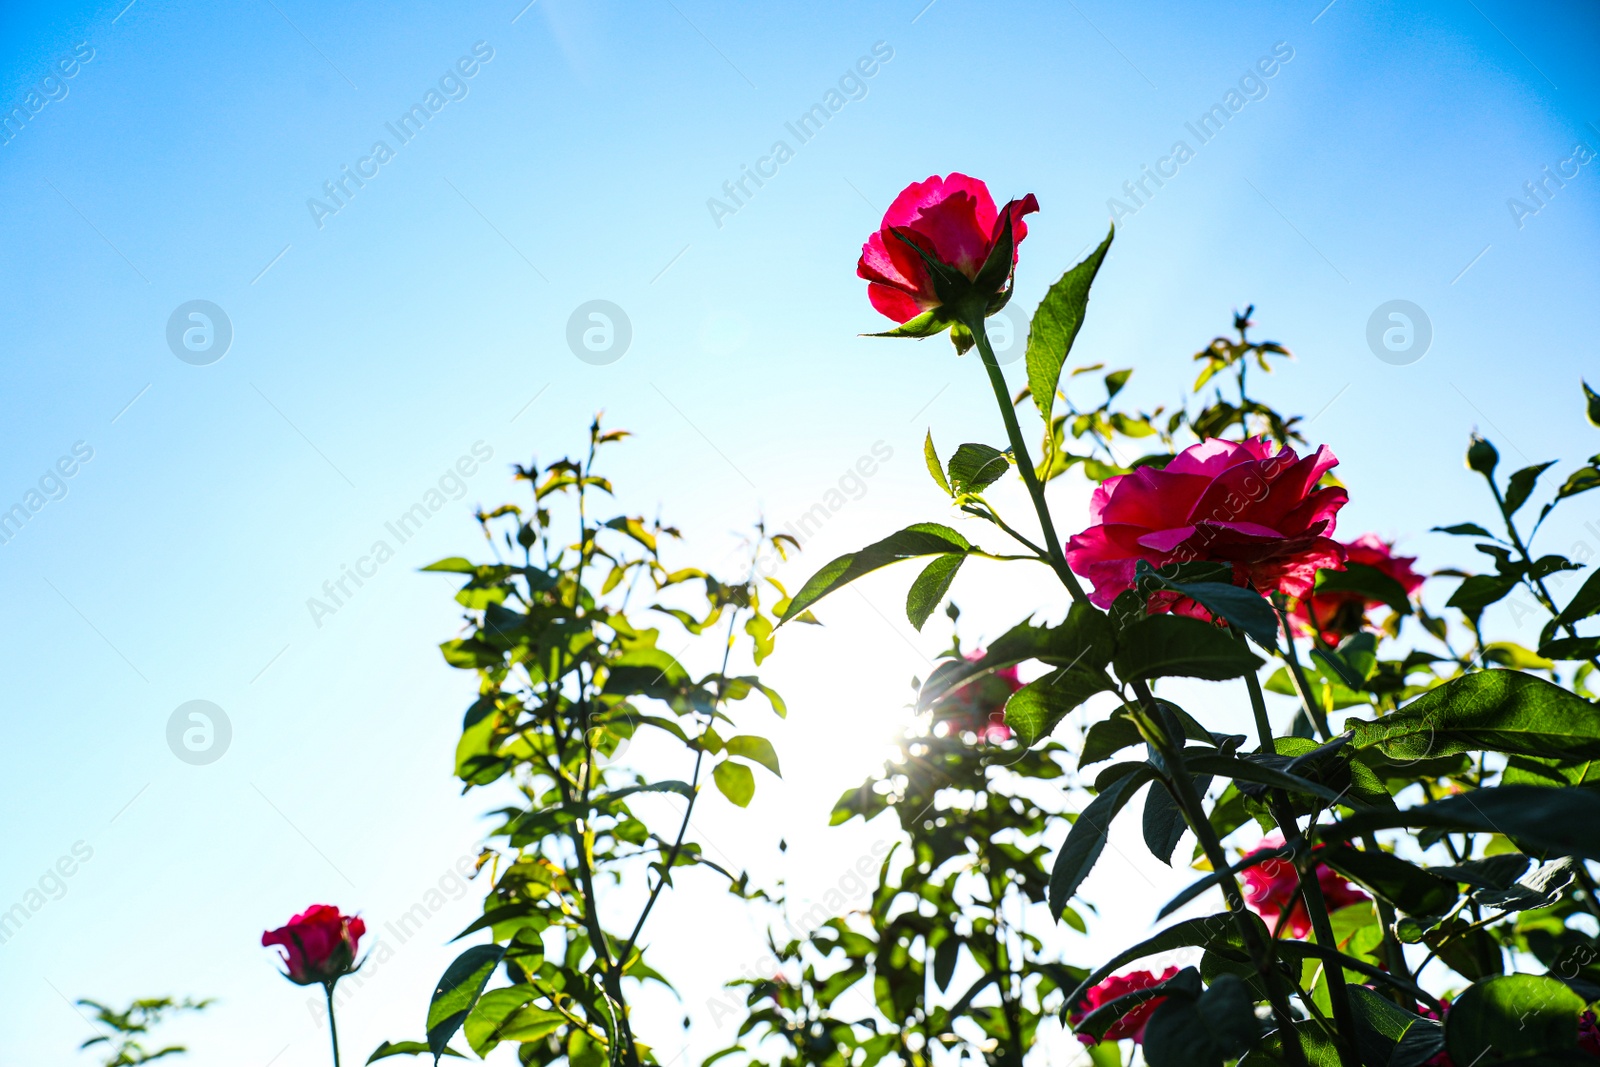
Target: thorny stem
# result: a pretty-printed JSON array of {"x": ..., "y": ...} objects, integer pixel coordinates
[{"x": 1019, "y": 450}]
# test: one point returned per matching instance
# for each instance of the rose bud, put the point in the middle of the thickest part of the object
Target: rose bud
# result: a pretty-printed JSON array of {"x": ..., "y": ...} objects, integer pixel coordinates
[
  {"x": 319, "y": 945},
  {"x": 943, "y": 254}
]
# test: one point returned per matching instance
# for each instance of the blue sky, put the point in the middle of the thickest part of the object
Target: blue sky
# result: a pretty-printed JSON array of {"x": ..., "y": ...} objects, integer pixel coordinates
[{"x": 428, "y": 316}]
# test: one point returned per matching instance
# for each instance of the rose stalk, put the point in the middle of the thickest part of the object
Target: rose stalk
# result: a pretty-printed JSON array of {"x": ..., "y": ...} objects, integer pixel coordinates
[{"x": 319, "y": 948}]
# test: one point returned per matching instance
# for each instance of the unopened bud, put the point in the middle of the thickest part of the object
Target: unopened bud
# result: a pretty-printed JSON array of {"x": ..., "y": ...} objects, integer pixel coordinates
[{"x": 1482, "y": 457}]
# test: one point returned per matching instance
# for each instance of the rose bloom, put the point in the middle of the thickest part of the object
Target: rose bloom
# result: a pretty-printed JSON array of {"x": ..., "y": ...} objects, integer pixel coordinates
[
  {"x": 1132, "y": 1024},
  {"x": 955, "y": 220},
  {"x": 1589, "y": 1033},
  {"x": 1243, "y": 503},
  {"x": 1274, "y": 885},
  {"x": 980, "y": 705},
  {"x": 1337, "y": 615},
  {"x": 319, "y": 945}
]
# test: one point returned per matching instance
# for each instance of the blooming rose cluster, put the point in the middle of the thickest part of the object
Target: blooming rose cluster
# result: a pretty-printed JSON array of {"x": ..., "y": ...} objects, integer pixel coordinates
[
  {"x": 319, "y": 945},
  {"x": 1272, "y": 888},
  {"x": 1248, "y": 504},
  {"x": 953, "y": 219},
  {"x": 1337, "y": 614},
  {"x": 1133, "y": 1023},
  {"x": 979, "y": 706}
]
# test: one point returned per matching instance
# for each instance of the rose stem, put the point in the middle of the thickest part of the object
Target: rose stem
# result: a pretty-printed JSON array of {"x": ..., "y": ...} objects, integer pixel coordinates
[
  {"x": 333, "y": 1028},
  {"x": 1019, "y": 450}
]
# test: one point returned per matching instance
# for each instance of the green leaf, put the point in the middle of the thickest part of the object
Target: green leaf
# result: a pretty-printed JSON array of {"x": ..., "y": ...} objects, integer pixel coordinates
[
  {"x": 1108, "y": 737},
  {"x": 1579, "y": 481},
  {"x": 736, "y": 781},
  {"x": 1539, "y": 888},
  {"x": 1534, "y": 770},
  {"x": 1087, "y": 838},
  {"x": 1037, "y": 708},
  {"x": 1163, "y": 819},
  {"x": 1243, "y": 609},
  {"x": 976, "y": 467},
  {"x": 1564, "y": 821},
  {"x": 1370, "y": 582},
  {"x": 1584, "y": 603},
  {"x": 1168, "y": 645},
  {"x": 1491, "y": 872},
  {"x": 920, "y": 539},
  {"x": 1463, "y": 529},
  {"x": 927, "y": 324},
  {"x": 1238, "y": 768},
  {"x": 1381, "y": 1025},
  {"x": 945, "y": 958},
  {"x": 1571, "y": 648},
  {"x": 755, "y": 749},
  {"x": 450, "y": 565},
  {"x": 458, "y": 990},
  {"x": 407, "y": 1048},
  {"x": 1520, "y": 484},
  {"x": 1405, "y": 885},
  {"x": 1479, "y": 591},
  {"x": 931, "y": 587},
  {"x": 1316, "y": 1047},
  {"x": 1512, "y": 1016},
  {"x": 931, "y": 456},
  {"x": 1056, "y": 324},
  {"x": 1083, "y": 639},
  {"x": 1217, "y": 1025},
  {"x": 1592, "y": 405},
  {"x": 487, "y": 1026},
  {"x": 1495, "y": 711}
]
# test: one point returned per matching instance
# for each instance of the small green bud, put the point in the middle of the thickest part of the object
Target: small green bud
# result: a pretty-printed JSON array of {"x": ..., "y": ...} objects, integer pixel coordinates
[{"x": 1482, "y": 457}]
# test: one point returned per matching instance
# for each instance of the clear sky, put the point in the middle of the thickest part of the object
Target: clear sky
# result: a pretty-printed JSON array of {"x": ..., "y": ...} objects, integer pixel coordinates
[{"x": 178, "y": 151}]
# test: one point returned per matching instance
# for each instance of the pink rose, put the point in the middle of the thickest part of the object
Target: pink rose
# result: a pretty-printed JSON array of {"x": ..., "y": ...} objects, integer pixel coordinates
[
  {"x": 1133, "y": 1023},
  {"x": 319, "y": 945},
  {"x": 980, "y": 705},
  {"x": 1338, "y": 614},
  {"x": 1243, "y": 503},
  {"x": 1273, "y": 886},
  {"x": 953, "y": 219}
]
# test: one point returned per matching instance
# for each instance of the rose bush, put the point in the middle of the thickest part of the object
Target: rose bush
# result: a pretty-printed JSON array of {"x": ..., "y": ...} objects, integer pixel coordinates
[{"x": 1450, "y": 784}]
